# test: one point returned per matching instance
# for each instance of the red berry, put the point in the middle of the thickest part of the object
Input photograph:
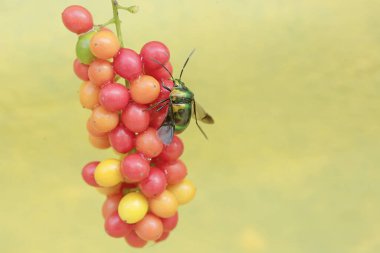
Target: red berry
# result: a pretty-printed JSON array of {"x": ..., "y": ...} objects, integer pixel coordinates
[
  {"x": 81, "y": 70},
  {"x": 153, "y": 52},
  {"x": 136, "y": 117},
  {"x": 158, "y": 117},
  {"x": 172, "y": 151},
  {"x": 114, "y": 97},
  {"x": 170, "y": 223},
  {"x": 110, "y": 205},
  {"x": 127, "y": 64},
  {"x": 149, "y": 143},
  {"x": 77, "y": 19},
  {"x": 121, "y": 139},
  {"x": 154, "y": 184},
  {"x": 163, "y": 237},
  {"x": 88, "y": 173},
  {"x": 134, "y": 168},
  {"x": 175, "y": 172},
  {"x": 116, "y": 227},
  {"x": 134, "y": 240}
]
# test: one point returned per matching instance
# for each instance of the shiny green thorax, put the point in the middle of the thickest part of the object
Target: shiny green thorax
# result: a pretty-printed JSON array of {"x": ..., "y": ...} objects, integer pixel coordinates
[
  {"x": 182, "y": 100},
  {"x": 180, "y": 93}
]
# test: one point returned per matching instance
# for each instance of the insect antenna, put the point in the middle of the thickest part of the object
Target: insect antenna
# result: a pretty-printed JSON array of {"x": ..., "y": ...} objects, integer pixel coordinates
[
  {"x": 187, "y": 60},
  {"x": 162, "y": 65},
  {"x": 166, "y": 87}
]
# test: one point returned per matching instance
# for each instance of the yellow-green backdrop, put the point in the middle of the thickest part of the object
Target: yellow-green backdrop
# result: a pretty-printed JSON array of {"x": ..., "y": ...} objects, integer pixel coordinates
[{"x": 291, "y": 165}]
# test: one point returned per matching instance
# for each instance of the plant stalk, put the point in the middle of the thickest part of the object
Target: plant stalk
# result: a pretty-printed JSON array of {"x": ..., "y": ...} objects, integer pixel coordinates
[{"x": 117, "y": 20}]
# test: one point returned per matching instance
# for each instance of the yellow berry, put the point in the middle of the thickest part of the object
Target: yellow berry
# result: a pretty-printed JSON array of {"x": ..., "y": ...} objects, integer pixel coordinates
[
  {"x": 183, "y": 191},
  {"x": 107, "y": 173},
  {"x": 133, "y": 207}
]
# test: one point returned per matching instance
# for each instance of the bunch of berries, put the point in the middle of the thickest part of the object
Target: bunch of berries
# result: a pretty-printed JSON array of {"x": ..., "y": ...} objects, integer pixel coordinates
[{"x": 147, "y": 182}]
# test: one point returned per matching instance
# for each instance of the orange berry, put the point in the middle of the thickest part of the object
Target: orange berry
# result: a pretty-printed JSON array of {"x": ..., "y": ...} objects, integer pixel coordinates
[
  {"x": 149, "y": 143},
  {"x": 165, "y": 205},
  {"x": 150, "y": 228},
  {"x": 88, "y": 95},
  {"x": 101, "y": 142},
  {"x": 145, "y": 89},
  {"x": 104, "y": 44},
  {"x": 92, "y": 130},
  {"x": 103, "y": 120},
  {"x": 100, "y": 72}
]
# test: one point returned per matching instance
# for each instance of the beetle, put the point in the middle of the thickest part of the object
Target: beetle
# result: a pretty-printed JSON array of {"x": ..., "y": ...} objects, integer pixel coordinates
[{"x": 181, "y": 107}]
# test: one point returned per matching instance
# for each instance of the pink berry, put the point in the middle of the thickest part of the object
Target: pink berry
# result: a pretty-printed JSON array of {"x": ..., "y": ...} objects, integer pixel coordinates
[
  {"x": 134, "y": 168},
  {"x": 135, "y": 117},
  {"x": 127, "y": 64},
  {"x": 175, "y": 172},
  {"x": 110, "y": 205},
  {"x": 170, "y": 223},
  {"x": 154, "y": 184},
  {"x": 114, "y": 97},
  {"x": 121, "y": 139},
  {"x": 88, "y": 173},
  {"x": 77, "y": 19},
  {"x": 163, "y": 237},
  {"x": 116, "y": 227},
  {"x": 81, "y": 70},
  {"x": 158, "y": 117},
  {"x": 153, "y": 52},
  {"x": 173, "y": 151},
  {"x": 134, "y": 240}
]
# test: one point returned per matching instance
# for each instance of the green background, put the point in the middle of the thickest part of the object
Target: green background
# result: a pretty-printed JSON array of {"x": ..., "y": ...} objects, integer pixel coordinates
[{"x": 291, "y": 165}]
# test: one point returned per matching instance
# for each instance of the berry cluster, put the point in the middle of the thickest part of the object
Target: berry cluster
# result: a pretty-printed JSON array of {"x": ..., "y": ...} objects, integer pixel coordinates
[{"x": 147, "y": 182}]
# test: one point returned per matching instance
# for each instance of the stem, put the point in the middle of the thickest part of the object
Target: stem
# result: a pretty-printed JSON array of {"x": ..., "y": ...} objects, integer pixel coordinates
[
  {"x": 98, "y": 27},
  {"x": 117, "y": 21},
  {"x": 111, "y": 21}
]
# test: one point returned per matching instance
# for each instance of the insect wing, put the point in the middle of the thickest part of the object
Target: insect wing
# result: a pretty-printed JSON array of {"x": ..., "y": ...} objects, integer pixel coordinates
[
  {"x": 166, "y": 130},
  {"x": 166, "y": 133},
  {"x": 201, "y": 114}
]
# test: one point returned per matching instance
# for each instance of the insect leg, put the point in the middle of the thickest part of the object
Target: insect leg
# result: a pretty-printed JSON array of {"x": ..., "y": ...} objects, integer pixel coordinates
[
  {"x": 162, "y": 107},
  {"x": 196, "y": 121}
]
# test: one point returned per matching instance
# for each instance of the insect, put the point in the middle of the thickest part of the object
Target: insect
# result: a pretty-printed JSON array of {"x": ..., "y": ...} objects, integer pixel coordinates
[{"x": 181, "y": 107}]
